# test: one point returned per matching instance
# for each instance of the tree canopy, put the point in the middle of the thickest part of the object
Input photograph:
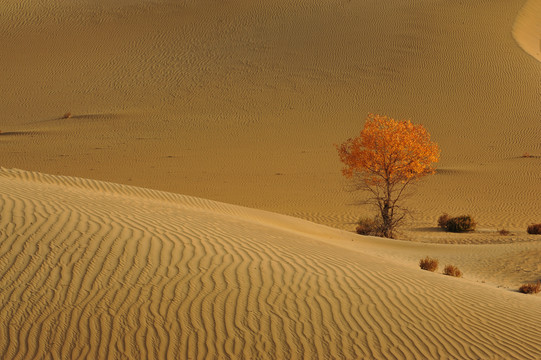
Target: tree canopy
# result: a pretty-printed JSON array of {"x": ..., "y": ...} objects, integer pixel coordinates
[{"x": 385, "y": 158}]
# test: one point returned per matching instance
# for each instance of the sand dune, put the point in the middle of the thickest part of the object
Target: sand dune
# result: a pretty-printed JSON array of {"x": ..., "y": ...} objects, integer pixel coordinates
[
  {"x": 98, "y": 270},
  {"x": 527, "y": 28},
  {"x": 242, "y": 101}
]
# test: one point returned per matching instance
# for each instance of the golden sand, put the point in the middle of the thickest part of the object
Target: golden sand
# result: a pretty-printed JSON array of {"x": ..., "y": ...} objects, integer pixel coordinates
[
  {"x": 527, "y": 28},
  {"x": 98, "y": 270},
  {"x": 241, "y": 102}
]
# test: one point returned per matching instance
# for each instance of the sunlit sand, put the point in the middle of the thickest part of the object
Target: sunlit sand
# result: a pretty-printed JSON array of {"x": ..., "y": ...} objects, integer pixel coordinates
[{"x": 212, "y": 103}]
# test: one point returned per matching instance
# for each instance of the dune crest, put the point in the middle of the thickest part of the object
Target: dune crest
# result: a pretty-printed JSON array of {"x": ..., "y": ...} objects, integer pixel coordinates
[
  {"x": 527, "y": 28},
  {"x": 99, "y": 270},
  {"x": 241, "y": 101}
]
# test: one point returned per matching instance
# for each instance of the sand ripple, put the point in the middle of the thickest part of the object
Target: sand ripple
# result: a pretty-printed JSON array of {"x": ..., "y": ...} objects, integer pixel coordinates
[{"x": 97, "y": 270}]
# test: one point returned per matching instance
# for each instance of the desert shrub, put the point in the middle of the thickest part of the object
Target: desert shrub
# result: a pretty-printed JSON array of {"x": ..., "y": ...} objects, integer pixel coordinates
[
  {"x": 530, "y": 288},
  {"x": 460, "y": 224},
  {"x": 428, "y": 264},
  {"x": 369, "y": 226},
  {"x": 442, "y": 220},
  {"x": 534, "y": 229},
  {"x": 67, "y": 115},
  {"x": 504, "y": 232},
  {"x": 452, "y": 270}
]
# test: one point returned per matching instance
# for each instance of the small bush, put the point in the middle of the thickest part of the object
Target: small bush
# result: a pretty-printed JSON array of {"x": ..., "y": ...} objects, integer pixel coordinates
[
  {"x": 534, "y": 229},
  {"x": 452, "y": 270},
  {"x": 67, "y": 115},
  {"x": 504, "y": 232},
  {"x": 530, "y": 288},
  {"x": 443, "y": 220},
  {"x": 428, "y": 264},
  {"x": 369, "y": 226},
  {"x": 462, "y": 223}
]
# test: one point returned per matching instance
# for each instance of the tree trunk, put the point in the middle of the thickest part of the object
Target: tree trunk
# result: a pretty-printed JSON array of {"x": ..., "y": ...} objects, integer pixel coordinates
[{"x": 387, "y": 221}]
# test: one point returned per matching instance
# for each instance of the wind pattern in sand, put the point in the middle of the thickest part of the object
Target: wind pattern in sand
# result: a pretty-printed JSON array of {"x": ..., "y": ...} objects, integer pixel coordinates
[{"x": 95, "y": 270}]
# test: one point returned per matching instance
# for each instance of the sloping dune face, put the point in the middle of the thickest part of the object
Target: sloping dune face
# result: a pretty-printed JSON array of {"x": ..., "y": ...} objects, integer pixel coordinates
[
  {"x": 96, "y": 270},
  {"x": 527, "y": 28},
  {"x": 241, "y": 101}
]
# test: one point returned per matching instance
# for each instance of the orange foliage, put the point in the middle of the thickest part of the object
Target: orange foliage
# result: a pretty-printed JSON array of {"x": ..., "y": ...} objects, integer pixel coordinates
[
  {"x": 385, "y": 158},
  {"x": 388, "y": 150}
]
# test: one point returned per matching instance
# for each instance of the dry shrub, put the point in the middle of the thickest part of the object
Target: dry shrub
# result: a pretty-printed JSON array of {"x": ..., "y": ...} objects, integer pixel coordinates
[
  {"x": 534, "y": 229},
  {"x": 429, "y": 264},
  {"x": 530, "y": 288},
  {"x": 452, "y": 270},
  {"x": 504, "y": 232},
  {"x": 462, "y": 223},
  {"x": 442, "y": 220},
  {"x": 369, "y": 226},
  {"x": 67, "y": 115}
]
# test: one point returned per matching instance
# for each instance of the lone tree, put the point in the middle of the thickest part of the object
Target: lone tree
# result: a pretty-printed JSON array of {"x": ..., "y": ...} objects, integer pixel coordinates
[{"x": 384, "y": 159}]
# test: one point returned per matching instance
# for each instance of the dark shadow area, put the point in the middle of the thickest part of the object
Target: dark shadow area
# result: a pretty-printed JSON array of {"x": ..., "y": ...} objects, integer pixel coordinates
[
  {"x": 77, "y": 117},
  {"x": 433, "y": 229},
  {"x": 449, "y": 171},
  {"x": 92, "y": 116},
  {"x": 18, "y": 133}
]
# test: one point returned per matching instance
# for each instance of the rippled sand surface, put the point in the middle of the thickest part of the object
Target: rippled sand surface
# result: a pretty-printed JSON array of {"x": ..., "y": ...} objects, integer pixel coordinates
[
  {"x": 98, "y": 270},
  {"x": 240, "y": 102}
]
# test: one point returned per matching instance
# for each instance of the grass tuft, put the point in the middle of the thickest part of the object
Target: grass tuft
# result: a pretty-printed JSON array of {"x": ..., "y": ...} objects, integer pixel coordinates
[
  {"x": 443, "y": 220},
  {"x": 534, "y": 229},
  {"x": 452, "y": 270},
  {"x": 428, "y": 264},
  {"x": 530, "y": 288},
  {"x": 458, "y": 224},
  {"x": 369, "y": 226}
]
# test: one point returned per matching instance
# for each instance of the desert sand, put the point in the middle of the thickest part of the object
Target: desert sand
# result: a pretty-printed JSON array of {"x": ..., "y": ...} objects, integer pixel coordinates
[
  {"x": 240, "y": 103},
  {"x": 527, "y": 28},
  {"x": 98, "y": 270}
]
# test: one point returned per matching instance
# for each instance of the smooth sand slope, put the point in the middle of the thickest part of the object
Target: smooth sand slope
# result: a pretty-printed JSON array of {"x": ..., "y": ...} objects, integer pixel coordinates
[
  {"x": 527, "y": 28},
  {"x": 241, "y": 101},
  {"x": 97, "y": 270}
]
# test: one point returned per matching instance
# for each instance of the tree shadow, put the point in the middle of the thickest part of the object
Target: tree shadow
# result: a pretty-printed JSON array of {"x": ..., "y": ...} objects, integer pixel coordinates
[{"x": 432, "y": 229}]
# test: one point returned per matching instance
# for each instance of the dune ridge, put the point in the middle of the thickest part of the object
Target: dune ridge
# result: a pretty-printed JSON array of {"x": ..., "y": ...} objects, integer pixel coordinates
[
  {"x": 242, "y": 101},
  {"x": 98, "y": 270},
  {"x": 527, "y": 28}
]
